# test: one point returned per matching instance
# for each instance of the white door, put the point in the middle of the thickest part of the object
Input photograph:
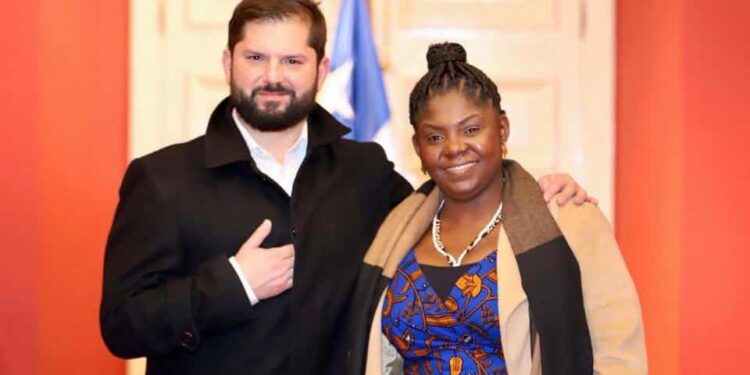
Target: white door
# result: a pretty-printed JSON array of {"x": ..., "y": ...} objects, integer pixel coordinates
[{"x": 553, "y": 61}]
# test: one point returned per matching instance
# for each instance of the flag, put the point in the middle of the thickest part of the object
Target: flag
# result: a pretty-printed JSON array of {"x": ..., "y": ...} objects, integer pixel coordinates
[{"x": 354, "y": 90}]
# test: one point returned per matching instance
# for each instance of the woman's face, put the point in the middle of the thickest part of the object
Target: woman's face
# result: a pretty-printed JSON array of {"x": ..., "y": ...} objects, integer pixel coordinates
[{"x": 459, "y": 144}]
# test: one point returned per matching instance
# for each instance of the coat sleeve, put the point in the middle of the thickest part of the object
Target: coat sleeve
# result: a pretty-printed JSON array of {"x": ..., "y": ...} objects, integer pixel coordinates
[
  {"x": 609, "y": 295},
  {"x": 399, "y": 188},
  {"x": 396, "y": 186},
  {"x": 151, "y": 305}
]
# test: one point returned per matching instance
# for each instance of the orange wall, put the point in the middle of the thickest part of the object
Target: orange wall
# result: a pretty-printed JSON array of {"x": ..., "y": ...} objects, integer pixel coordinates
[
  {"x": 19, "y": 217},
  {"x": 648, "y": 169},
  {"x": 716, "y": 261},
  {"x": 681, "y": 84},
  {"x": 62, "y": 163}
]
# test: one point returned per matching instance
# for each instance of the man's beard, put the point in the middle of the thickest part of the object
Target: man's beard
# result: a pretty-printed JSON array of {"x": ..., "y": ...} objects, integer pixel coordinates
[{"x": 272, "y": 118}]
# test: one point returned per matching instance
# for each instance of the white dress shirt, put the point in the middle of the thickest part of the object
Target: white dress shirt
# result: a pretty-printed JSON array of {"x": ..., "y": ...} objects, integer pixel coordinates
[{"x": 282, "y": 173}]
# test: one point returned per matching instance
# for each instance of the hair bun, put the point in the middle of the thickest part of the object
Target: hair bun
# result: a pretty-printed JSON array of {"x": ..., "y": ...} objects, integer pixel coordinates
[{"x": 445, "y": 52}]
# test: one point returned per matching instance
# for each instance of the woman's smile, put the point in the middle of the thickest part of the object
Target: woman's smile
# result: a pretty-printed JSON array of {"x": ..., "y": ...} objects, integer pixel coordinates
[{"x": 460, "y": 168}]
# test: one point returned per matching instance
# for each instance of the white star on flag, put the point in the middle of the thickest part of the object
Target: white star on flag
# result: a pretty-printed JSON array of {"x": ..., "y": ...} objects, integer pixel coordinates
[{"x": 333, "y": 95}]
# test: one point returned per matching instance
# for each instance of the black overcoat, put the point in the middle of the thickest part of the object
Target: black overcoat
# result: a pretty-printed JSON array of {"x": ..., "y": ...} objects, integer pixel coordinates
[{"x": 169, "y": 291}]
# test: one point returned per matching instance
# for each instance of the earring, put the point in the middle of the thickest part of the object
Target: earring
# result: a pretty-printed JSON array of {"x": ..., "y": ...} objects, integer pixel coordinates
[{"x": 504, "y": 149}]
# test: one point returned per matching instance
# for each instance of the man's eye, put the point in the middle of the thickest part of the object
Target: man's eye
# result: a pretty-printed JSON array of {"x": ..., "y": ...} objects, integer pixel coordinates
[
  {"x": 255, "y": 57},
  {"x": 293, "y": 62}
]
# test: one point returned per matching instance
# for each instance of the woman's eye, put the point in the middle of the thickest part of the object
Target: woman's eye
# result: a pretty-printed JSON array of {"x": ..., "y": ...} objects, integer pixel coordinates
[
  {"x": 472, "y": 130},
  {"x": 434, "y": 138}
]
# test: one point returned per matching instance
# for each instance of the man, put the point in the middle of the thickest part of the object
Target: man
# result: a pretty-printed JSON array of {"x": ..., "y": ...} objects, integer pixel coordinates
[{"x": 209, "y": 234}]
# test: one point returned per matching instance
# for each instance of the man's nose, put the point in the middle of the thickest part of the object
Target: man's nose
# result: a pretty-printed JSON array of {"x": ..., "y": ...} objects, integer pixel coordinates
[{"x": 273, "y": 72}]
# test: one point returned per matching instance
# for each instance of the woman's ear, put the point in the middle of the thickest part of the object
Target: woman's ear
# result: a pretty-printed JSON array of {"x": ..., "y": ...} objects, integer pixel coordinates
[
  {"x": 417, "y": 150},
  {"x": 504, "y": 128},
  {"x": 416, "y": 145}
]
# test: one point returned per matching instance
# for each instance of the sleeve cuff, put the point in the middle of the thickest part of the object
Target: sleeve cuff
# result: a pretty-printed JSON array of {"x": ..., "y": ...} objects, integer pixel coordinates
[{"x": 248, "y": 290}]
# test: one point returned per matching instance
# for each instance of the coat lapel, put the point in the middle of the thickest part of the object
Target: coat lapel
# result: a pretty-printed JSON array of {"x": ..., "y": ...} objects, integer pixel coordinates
[{"x": 513, "y": 309}]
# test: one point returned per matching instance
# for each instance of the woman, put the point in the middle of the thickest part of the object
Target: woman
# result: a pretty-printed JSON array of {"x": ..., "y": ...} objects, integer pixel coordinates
[{"x": 474, "y": 273}]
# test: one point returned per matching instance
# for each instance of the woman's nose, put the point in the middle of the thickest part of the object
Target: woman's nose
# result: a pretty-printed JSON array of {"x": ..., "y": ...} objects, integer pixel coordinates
[{"x": 455, "y": 145}]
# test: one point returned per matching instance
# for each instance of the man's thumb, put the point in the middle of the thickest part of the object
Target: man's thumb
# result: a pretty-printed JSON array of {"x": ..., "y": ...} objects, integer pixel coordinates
[{"x": 260, "y": 234}]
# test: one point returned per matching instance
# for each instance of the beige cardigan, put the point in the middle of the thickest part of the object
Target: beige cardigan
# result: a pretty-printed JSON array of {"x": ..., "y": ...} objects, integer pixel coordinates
[{"x": 610, "y": 299}]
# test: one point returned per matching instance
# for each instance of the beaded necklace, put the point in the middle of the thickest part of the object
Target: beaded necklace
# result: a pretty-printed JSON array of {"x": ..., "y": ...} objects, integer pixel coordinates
[{"x": 438, "y": 243}]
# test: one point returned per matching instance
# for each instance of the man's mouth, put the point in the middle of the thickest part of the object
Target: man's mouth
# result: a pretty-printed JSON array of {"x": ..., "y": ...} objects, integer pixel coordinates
[{"x": 273, "y": 94}]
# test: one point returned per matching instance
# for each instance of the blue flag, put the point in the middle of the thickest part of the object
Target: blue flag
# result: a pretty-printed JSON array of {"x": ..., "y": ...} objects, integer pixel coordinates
[{"x": 354, "y": 90}]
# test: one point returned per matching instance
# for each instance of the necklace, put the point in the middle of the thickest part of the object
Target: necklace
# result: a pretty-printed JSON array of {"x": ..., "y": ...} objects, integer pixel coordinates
[{"x": 453, "y": 262}]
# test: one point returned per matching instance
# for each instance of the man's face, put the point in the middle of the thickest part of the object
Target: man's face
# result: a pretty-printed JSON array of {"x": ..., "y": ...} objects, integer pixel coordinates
[{"x": 273, "y": 74}]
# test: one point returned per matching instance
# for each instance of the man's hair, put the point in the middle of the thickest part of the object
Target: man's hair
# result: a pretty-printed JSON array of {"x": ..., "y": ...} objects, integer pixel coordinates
[
  {"x": 447, "y": 71},
  {"x": 279, "y": 10}
]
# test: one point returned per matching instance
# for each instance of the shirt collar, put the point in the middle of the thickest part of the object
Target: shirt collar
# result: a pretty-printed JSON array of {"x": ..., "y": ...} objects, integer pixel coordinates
[
  {"x": 224, "y": 143},
  {"x": 254, "y": 147}
]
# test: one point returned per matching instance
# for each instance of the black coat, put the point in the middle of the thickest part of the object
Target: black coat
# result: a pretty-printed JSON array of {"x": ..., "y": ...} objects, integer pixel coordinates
[{"x": 169, "y": 291}]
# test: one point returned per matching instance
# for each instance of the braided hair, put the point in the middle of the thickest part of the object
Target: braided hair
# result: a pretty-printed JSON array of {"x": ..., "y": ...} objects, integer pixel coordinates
[{"x": 447, "y": 71}]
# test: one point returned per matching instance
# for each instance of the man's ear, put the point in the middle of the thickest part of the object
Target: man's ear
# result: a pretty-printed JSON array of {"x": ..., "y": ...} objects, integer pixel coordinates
[
  {"x": 323, "y": 68},
  {"x": 226, "y": 61}
]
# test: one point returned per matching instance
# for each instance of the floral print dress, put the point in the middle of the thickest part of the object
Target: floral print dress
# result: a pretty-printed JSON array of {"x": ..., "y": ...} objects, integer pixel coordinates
[{"x": 456, "y": 335}]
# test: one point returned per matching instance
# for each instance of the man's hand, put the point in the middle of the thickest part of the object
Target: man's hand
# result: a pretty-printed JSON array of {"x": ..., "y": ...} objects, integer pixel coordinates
[
  {"x": 268, "y": 271},
  {"x": 566, "y": 186}
]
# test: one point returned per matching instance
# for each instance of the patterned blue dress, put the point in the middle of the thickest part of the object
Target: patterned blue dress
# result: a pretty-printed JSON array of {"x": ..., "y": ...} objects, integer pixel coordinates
[{"x": 459, "y": 335}]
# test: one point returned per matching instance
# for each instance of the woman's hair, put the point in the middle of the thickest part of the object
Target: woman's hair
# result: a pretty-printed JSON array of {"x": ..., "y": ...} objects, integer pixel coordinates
[{"x": 448, "y": 70}]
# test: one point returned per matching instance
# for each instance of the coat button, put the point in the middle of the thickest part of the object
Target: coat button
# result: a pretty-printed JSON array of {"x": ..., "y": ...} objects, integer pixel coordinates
[
  {"x": 294, "y": 232},
  {"x": 188, "y": 340}
]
